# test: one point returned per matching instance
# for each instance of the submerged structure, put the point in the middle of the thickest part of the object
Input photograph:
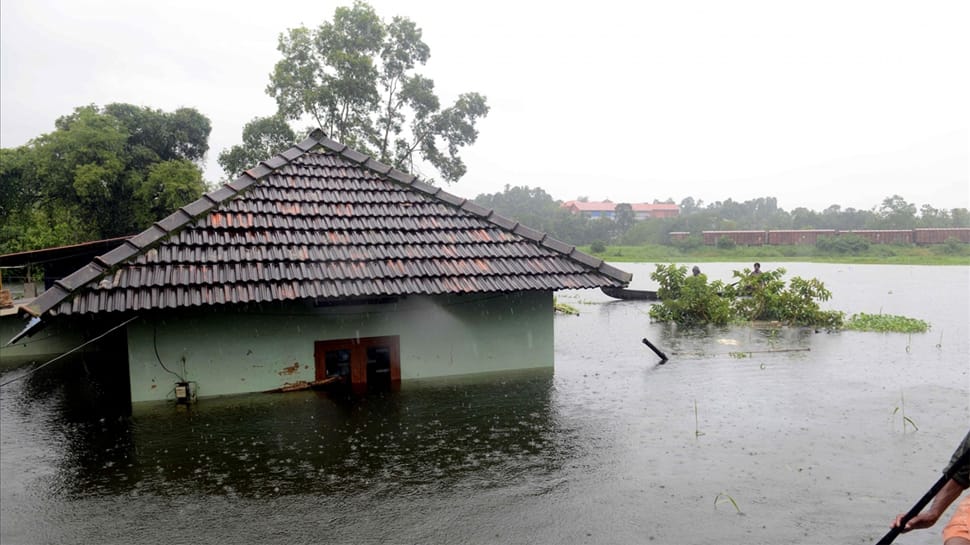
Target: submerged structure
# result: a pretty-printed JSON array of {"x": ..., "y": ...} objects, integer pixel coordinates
[{"x": 323, "y": 266}]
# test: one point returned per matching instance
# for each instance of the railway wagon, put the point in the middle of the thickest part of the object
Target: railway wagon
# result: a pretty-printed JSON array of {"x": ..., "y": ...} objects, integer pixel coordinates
[
  {"x": 806, "y": 236},
  {"x": 939, "y": 236},
  {"x": 883, "y": 236},
  {"x": 741, "y": 238}
]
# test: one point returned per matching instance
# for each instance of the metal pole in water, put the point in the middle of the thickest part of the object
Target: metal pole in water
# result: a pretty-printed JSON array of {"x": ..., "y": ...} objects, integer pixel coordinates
[{"x": 657, "y": 351}]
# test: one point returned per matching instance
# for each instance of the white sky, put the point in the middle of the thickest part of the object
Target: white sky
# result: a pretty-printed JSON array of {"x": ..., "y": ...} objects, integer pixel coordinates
[{"x": 816, "y": 103}]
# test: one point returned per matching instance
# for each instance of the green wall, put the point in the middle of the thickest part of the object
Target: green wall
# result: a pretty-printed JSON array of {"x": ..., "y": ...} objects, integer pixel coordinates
[{"x": 261, "y": 347}]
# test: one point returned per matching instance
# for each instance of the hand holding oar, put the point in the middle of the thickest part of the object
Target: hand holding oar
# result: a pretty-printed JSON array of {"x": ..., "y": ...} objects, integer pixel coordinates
[{"x": 950, "y": 491}]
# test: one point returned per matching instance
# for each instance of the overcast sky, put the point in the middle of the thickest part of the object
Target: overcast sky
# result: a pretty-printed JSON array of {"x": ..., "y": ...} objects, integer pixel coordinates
[{"x": 815, "y": 103}]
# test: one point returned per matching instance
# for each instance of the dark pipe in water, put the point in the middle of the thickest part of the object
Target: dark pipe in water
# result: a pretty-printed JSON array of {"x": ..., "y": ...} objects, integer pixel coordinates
[{"x": 657, "y": 351}]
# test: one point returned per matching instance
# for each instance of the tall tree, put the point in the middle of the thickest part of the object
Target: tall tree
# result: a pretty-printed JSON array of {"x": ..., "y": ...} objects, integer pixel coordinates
[
  {"x": 624, "y": 217},
  {"x": 102, "y": 172},
  {"x": 959, "y": 217},
  {"x": 896, "y": 213},
  {"x": 355, "y": 77},
  {"x": 530, "y": 206},
  {"x": 262, "y": 137}
]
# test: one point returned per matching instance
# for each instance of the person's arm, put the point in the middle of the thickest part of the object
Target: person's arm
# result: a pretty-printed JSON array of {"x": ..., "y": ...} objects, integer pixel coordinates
[{"x": 950, "y": 491}]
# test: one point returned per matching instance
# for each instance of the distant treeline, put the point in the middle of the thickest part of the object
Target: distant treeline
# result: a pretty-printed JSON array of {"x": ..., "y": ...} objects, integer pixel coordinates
[{"x": 536, "y": 208}]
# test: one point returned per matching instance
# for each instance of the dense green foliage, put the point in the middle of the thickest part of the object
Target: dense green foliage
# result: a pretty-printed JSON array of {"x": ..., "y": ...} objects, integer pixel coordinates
[
  {"x": 354, "y": 77},
  {"x": 263, "y": 137},
  {"x": 886, "y": 323},
  {"x": 103, "y": 172},
  {"x": 691, "y": 300},
  {"x": 843, "y": 244},
  {"x": 765, "y": 296}
]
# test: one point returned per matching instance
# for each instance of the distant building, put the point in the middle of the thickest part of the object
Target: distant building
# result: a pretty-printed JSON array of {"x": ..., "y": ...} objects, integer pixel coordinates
[{"x": 607, "y": 209}]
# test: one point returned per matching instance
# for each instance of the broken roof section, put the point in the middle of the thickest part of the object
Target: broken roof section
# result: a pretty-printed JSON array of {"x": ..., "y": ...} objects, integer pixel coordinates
[{"x": 322, "y": 221}]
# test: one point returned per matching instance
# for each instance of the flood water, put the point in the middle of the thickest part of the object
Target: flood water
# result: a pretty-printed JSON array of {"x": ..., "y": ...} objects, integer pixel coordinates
[{"x": 804, "y": 434}]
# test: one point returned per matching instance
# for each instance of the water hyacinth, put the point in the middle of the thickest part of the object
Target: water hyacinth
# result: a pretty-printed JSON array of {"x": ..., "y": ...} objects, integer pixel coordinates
[{"x": 886, "y": 323}]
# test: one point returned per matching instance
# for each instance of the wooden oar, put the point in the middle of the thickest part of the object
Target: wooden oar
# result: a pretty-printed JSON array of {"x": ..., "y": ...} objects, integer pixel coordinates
[{"x": 888, "y": 538}]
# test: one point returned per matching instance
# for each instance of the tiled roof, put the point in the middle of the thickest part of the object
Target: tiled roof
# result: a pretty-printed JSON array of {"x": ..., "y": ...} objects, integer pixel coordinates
[{"x": 322, "y": 221}]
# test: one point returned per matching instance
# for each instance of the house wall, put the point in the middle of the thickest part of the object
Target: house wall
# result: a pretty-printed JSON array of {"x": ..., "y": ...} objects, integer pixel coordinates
[{"x": 239, "y": 350}]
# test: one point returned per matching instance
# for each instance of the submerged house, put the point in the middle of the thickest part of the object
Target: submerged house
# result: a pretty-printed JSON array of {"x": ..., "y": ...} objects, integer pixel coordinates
[{"x": 322, "y": 265}]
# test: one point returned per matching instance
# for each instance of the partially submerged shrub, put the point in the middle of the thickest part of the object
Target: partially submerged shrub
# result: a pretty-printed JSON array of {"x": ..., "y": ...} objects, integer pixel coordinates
[
  {"x": 766, "y": 297},
  {"x": 690, "y": 300}
]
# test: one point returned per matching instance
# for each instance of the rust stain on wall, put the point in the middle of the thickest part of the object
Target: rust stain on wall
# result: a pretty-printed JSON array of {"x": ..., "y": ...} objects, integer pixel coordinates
[{"x": 290, "y": 370}]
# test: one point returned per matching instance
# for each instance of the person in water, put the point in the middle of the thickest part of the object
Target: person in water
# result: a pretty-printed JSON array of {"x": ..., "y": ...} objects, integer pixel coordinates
[
  {"x": 757, "y": 268},
  {"x": 696, "y": 270},
  {"x": 957, "y": 531}
]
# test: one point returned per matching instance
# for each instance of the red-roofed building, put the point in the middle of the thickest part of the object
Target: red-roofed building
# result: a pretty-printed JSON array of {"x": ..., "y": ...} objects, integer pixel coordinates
[{"x": 607, "y": 209}]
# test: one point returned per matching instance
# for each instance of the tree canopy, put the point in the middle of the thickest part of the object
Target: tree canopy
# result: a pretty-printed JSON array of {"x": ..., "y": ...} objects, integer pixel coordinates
[
  {"x": 103, "y": 172},
  {"x": 262, "y": 137},
  {"x": 356, "y": 78}
]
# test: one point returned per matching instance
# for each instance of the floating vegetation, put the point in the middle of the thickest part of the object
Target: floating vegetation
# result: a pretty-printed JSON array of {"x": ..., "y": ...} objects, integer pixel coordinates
[
  {"x": 727, "y": 497},
  {"x": 564, "y": 308},
  {"x": 739, "y": 355},
  {"x": 887, "y": 323}
]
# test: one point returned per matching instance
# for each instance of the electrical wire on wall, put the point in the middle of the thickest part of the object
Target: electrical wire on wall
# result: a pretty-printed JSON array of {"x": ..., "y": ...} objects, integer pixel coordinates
[
  {"x": 157, "y": 357},
  {"x": 181, "y": 378}
]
